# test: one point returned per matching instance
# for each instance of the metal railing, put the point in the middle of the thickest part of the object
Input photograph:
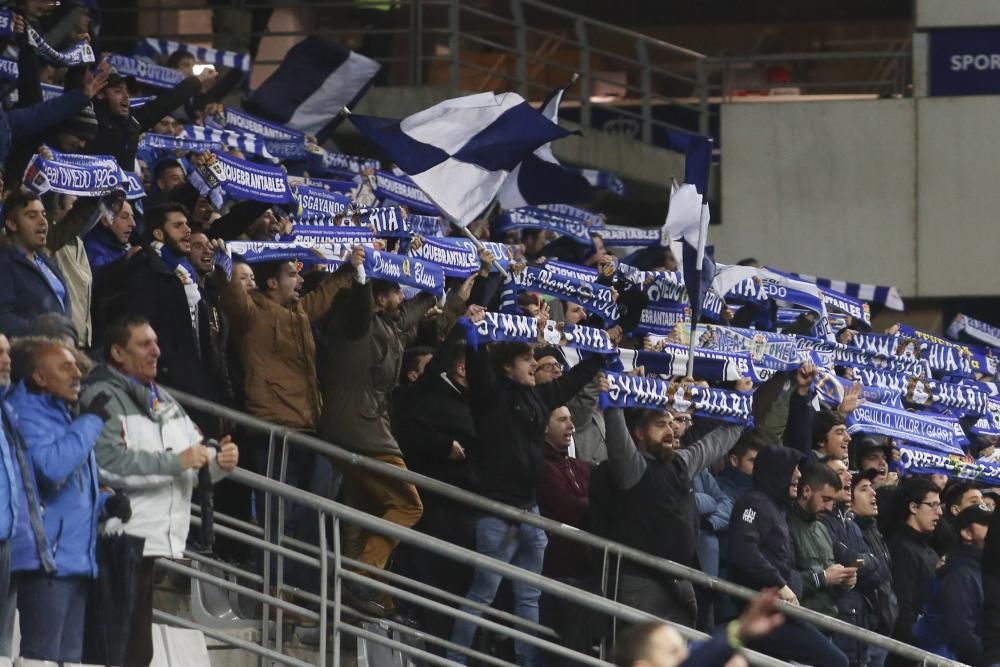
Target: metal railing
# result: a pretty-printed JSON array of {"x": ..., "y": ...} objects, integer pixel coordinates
[
  {"x": 612, "y": 553},
  {"x": 629, "y": 83}
]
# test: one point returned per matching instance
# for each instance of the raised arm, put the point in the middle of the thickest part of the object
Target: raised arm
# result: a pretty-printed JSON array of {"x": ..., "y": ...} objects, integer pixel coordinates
[
  {"x": 626, "y": 462},
  {"x": 57, "y": 453},
  {"x": 710, "y": 448},
  {"x": 559, "y": 392}
]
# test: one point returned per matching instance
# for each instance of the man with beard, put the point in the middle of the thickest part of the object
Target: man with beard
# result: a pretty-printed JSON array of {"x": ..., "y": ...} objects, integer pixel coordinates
[
  {"x": 761, "y": 556},
  {"x": 32, "y": 283},
  {"x": 650, "y": 504},
  {"x": 162, "y": 287}
]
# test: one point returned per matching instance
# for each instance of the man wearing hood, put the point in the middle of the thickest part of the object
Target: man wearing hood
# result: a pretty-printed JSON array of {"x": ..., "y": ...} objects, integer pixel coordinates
[
  {"x": 760, "y": 555},
  {"x": 881, "y": 601}
]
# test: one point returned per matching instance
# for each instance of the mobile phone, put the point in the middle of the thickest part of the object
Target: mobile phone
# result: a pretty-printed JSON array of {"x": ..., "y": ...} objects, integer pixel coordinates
[{"x": 859, "y": 563}]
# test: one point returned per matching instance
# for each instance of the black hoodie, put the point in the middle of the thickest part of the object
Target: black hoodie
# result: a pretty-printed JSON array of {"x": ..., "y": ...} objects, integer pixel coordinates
[{"x": 760, "y": 553}]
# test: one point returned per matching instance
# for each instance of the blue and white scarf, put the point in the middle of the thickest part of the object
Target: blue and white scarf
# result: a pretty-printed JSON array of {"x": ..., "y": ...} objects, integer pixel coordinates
[
  {"x": 426, "y": 225},
  {"x": 318, "y": 201},
  {"x": 323, "y": 162},
  {"x": 831, "y": 390},
  {"x": 924, "y": 391},
  {"x": 533, "y": 217},
  {"x": 934, "y": 431},
  {"x": 79, "y": 54},
  {"x": 145, "y": 72},
  {"x": 662, "y": 317},
  {"x": 777, "y": 352},
  {"x": 247, "y": 143},
  {"x": 424, "y": 276},
  {"x": 981, "y": 359},
  {"x": 245, "y": 180},
  {"x": 628, "y": 391},
  {"x": 306, "y": 253},
  {"x": 921, "y": 461},
  {"x": 164, "y": 47},
  {"x": 618, "y": 236},
  {"x": 850, "y": 305},
  {"x": 844, "y": 355},
  {"x": 582, "y": 273},
  {"x": 385, "y": 221},
  {"x": 401, "y": 189},
  {"x": 153, "y": 141},
  {"x": 330, "y": 234},
  {"x": 710, "y": 365},
  {"x": 594, "y": 298},
  {"x": 88, "y": 176},
  {"x": 281, "y": 141},
  {"x": 457, "y": 257},
  {"x": 592, "y": 220},
  {"x": 942, "y": 358},
  {"x": 973, "y": 328}
]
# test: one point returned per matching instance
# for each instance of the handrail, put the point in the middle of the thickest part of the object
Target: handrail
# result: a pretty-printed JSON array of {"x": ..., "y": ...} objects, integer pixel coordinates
[{"x": 506, "y": 511}]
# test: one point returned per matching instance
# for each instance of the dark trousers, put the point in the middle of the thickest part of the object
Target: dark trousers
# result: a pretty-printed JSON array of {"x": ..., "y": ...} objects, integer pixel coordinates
[
  {"x": 8, "y": 603},
  {"x": 671, "y": 600},
  {"x": 52, "y": 615},
  {"x": 140, "y": 638},
  {"x": 801, "y": 643}
]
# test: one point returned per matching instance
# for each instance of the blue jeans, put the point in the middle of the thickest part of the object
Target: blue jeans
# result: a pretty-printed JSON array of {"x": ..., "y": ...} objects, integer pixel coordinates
[
  {"x": 801, "y": 643},
  {"x": 522, "y": 546},
  {"x": 52, "y": 613}
]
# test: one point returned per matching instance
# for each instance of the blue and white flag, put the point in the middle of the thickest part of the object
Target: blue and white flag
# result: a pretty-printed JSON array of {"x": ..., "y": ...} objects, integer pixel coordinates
[
  {"x": 885, "y": 296},
  {"x": 392, "y": 188},
  {"x": 317, "y": 201},
  {"x": 618, "y": 236},
  {"x": 460, "y": 151},
  {"x": 163, "y": 47},
  {"x": 939, "y": 433},
  {"x": 628, "y": 391},
  {"x": 145, "y": 72},
  {"x": 245, "y": 180},
  {"x": 316, "y": 79},
  {"x": 458, "y": 257},
  {"x": 540, "y": 179},
  {"x": 532, "y": 217}
]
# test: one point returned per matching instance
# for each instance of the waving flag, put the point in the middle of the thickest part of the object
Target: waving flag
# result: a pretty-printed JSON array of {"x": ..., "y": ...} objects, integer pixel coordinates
[
  {"x": 316, "y": 79},
  {"x": 460, "y": 151},
  {"x": 540, "y": 179}
]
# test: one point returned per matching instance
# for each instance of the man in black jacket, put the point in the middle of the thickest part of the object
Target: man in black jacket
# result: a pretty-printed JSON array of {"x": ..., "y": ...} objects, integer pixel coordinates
[
  {"x": 990, "y": 622},
  {"x": 650, "y": 504},
  {"x": 881, "y": 601},
  {"x": 913, "y": 560},
  {"x": 760, "y": 556},
  {"x": 162, "y": 286},
  {"x": 510, "y": 413},
  {"x": 119, "y": 125}
]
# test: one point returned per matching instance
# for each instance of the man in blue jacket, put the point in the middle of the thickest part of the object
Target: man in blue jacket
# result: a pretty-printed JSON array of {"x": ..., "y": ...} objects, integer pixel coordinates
[
  {"x": 32, "y": 283},
  {"x": 60, "y": 450}
]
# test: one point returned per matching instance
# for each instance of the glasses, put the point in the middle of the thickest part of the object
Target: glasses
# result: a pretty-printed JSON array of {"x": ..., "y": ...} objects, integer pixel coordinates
[
  {"x": 934, "y": 505},
  {"x": 684, "y": 419},
  {"x": 552, "y": 367}
]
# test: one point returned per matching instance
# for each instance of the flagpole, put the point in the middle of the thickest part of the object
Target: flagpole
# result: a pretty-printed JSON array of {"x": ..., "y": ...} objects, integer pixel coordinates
[
  {"x": 700, "y": 257},
  {"x": 480, "y": 246}
]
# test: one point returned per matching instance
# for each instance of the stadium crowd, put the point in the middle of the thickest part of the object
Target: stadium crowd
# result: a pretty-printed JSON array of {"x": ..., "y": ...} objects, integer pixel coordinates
[{"x": 112, "y": 295}]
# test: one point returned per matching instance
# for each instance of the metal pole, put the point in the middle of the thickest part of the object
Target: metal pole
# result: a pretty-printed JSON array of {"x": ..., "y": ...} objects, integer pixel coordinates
[
  {"x": 521, "y": 46},
  {"x": 419, "y": 38},
  {"x": 227, "y": 638},
  {"x": 580, "y": 26},
  {"x": 454, "y": 43},
  {"x": 267, "y": 521},
  {"x": 701, "y": 71},
  {"x": 337, "y": 598},
  {"x": 646, "y": 83},
  {"x": 324, "y": 566},
  {"x": 702, "y": 237}
]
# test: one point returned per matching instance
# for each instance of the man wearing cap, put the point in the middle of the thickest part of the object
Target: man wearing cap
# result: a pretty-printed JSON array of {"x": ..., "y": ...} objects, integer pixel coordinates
[
  {"x": 119, "y": 126},
  {"x": 950, "y": 623}
]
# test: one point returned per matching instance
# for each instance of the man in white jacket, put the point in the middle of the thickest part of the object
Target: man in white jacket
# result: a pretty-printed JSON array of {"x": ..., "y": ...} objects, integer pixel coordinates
[{"x": 150, "y": 449}]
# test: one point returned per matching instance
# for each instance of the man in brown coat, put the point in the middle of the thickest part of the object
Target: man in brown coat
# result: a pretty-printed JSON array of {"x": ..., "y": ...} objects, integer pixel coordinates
[
  {"x": 272, "y": 328},
  {"x": 367, "y": 329}
]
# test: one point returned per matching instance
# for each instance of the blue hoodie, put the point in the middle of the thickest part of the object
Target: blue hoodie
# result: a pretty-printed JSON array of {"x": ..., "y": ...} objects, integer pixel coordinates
[{"x": 61, "y": 451}]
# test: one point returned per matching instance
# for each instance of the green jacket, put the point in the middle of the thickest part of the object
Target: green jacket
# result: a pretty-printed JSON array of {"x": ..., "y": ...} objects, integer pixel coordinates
[{"x": 812, "y": 547}]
